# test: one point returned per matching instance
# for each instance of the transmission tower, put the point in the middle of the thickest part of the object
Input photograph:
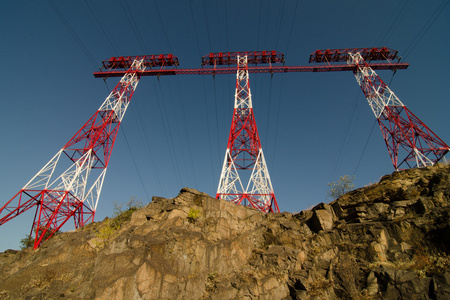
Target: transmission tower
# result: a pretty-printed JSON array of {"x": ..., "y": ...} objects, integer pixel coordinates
[
  {"x": 409, "y": 141},
  {"x": 244, "y": 151},
  {"x": 75, "y": 192},
  {"x": 244, "y": 148}
]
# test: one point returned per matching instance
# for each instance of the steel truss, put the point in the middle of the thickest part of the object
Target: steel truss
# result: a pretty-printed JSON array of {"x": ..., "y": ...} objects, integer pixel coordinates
[
  {"x": 409, "y": 141},
  {"x": 244, "y": 152},
  {"x": 73, "y": 193}
]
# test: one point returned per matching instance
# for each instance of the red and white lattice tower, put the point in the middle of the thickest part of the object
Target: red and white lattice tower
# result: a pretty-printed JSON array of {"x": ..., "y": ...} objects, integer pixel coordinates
[
  {"x": 75, "y": 192},
  {"x": 244, "y": 152},
  {"x": 409, "y": 141}
]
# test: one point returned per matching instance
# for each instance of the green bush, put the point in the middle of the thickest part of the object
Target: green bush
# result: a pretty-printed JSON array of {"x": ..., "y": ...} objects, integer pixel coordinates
[
  {"x": 109, "y": 229},
  {"x": 106, "y": 232},
  {"x": 26, "y": 242},
  {"x": 193, "y": 215},
  {"x": 131, "y": 206},
  {"x": 122, "y": 215}
]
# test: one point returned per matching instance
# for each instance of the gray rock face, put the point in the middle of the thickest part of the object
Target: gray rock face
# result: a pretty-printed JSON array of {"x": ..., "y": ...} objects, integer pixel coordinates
[{"x": 386, "y": 241}]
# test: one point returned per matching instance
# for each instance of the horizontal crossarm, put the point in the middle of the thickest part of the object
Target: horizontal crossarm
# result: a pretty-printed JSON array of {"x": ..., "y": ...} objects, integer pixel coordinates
[{"x": 253, "y": 69}]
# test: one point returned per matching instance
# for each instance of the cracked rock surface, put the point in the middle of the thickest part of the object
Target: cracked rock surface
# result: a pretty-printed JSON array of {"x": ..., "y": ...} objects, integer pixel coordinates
[{"x": 390, "y": 240}]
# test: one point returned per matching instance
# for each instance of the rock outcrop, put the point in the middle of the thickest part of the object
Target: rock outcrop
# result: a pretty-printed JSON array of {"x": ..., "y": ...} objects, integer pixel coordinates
[{"x": 390, "y": 240}]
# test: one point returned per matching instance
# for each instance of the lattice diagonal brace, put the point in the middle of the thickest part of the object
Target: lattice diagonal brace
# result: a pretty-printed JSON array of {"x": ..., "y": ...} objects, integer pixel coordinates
[
  {"x": 409, "y": 141},
  {"x": 75, "y": 192},
  {"x": 244, "y": 152}
]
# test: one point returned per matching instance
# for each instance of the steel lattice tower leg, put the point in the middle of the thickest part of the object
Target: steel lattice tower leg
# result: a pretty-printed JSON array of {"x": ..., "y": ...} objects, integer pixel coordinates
[
  {"x": 72, "y": 194},
  {"x": 244, "y": 152},
  {"x": 409, "y": 141}
]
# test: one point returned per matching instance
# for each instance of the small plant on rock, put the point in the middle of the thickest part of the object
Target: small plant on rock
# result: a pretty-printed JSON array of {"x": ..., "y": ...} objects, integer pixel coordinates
[
  {"x": 108, "y": 230},
  {"x": 193, "y": 215},
  {"x": 211, "y": 281},
  {"x": 429, "y": 264},
  {"x": 131, "y": 206},
  {"x": 340, "y": 187}
]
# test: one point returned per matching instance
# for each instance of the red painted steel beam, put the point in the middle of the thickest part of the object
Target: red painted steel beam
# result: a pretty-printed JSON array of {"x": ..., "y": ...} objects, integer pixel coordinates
[{"x": 263, "y": 69}]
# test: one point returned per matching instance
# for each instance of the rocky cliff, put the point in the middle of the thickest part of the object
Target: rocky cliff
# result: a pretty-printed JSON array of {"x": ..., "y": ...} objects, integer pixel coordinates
[{"x": 389, "y": 240}]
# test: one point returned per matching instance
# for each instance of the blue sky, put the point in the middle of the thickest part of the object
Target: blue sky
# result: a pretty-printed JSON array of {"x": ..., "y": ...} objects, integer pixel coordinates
[{"x": 313, "y": 126}]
